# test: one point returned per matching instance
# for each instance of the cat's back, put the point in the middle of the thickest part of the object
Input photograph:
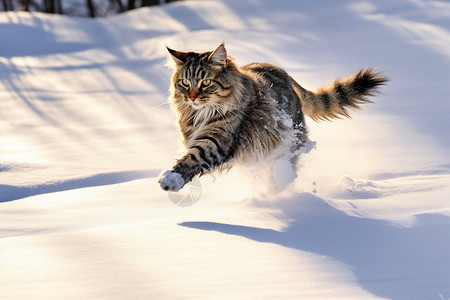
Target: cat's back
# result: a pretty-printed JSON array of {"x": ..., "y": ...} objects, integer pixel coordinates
[
  {"x": 277, "y": 80},
  {"x": 278, "y": 84},
  {"x": 269, "y": 72}
]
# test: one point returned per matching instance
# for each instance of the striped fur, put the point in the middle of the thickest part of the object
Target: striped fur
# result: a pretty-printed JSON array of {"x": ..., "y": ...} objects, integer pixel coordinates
[
  {"x": 229, "y": 114},
  {"x": 334, "y": 100}
]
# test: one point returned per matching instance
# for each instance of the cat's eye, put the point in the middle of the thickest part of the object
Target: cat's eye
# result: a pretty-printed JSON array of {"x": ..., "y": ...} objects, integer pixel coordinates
[
  {"x": 206, "y": 82},
  {"x": 185, "y": 82}
]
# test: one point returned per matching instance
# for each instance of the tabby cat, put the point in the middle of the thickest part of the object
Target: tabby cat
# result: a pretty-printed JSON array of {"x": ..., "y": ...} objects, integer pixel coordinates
[{"x": 230, "y": 114}]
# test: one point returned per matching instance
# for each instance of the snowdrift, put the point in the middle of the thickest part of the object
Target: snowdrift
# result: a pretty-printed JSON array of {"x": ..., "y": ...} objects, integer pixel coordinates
[{"x": 86, "y": 128}]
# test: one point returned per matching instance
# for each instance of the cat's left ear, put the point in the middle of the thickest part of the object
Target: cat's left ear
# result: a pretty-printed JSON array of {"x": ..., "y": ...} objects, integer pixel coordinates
[
  {"x": 178, "y": 56},
  {"x": 219, "y": 55}
]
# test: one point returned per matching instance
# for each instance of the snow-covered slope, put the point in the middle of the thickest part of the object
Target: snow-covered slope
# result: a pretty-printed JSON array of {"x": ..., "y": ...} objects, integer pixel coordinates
[{"x": 85, "y": 130}]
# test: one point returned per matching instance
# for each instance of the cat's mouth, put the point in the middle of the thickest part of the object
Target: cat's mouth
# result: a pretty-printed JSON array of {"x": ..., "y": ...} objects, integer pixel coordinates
[{"x": 198, "y": 103}]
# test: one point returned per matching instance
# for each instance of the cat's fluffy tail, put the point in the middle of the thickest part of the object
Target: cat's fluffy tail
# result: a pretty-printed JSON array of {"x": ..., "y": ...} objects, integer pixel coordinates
[{"x": 334, "y": 100}]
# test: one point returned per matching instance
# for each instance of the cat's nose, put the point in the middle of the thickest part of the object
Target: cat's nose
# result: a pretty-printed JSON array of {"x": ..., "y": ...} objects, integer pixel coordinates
[{"x": 193, "y": 95}]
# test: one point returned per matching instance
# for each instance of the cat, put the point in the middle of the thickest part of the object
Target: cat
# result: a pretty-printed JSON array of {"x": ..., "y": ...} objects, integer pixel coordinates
[{"x": 229, "y": 114}]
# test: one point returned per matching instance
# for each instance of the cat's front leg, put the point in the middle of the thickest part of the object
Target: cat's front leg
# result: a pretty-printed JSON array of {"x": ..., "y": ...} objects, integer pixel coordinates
[
  {"x": 184, "y": 170},
  {"x": 204, "y": 154}
]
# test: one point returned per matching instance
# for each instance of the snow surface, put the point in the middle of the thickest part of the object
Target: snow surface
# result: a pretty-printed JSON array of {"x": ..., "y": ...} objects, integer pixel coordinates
[{"x": 85, "y": 131}]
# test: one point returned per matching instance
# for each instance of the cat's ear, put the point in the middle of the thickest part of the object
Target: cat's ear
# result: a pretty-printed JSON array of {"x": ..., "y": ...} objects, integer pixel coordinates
[
  {"x": 178, "y": 57},
  {"x": 219, "y": 55}
]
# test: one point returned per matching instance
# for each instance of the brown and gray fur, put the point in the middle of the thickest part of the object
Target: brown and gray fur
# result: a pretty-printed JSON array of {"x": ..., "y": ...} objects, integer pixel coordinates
[{"x": 240, "y": 114}]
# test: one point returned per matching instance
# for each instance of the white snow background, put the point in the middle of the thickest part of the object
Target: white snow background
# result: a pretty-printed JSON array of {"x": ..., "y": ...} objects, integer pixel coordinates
[{"x": 85, "y": 129}]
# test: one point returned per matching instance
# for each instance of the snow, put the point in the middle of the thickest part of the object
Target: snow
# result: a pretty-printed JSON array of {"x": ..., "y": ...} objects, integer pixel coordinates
[{"x": 86, "y": 130}]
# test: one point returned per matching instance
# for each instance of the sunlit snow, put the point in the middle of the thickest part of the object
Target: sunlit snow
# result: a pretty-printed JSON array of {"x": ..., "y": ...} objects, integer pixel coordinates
[{"x": 86, "y": 129}]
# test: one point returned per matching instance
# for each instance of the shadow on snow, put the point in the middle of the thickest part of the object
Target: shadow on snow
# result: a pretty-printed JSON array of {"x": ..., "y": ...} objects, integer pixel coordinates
[
  {"x": 416, "y": 259},
  {"x": 10, "y": 193}
]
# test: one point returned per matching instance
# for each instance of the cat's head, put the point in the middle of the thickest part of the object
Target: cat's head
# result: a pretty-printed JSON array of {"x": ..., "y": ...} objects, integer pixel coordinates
[{"x": 201, "y": 80}]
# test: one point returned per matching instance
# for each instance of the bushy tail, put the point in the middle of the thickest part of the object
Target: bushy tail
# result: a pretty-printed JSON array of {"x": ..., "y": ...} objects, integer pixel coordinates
[{"x": 334, "y": 100}]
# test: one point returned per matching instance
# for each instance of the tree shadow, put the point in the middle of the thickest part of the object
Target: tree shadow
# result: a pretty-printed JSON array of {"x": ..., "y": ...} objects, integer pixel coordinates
[
  {"x": 34, "y": 36},
  {"x": 388, "y": 261}
]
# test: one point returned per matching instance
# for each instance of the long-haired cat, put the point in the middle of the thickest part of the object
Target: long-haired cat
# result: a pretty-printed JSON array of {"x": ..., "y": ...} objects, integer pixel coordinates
[{"x": 230, "y": 114}]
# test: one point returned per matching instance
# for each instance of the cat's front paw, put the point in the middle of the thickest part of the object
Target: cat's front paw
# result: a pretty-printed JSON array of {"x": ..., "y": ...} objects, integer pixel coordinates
[{"x": 171, "y": 181}]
